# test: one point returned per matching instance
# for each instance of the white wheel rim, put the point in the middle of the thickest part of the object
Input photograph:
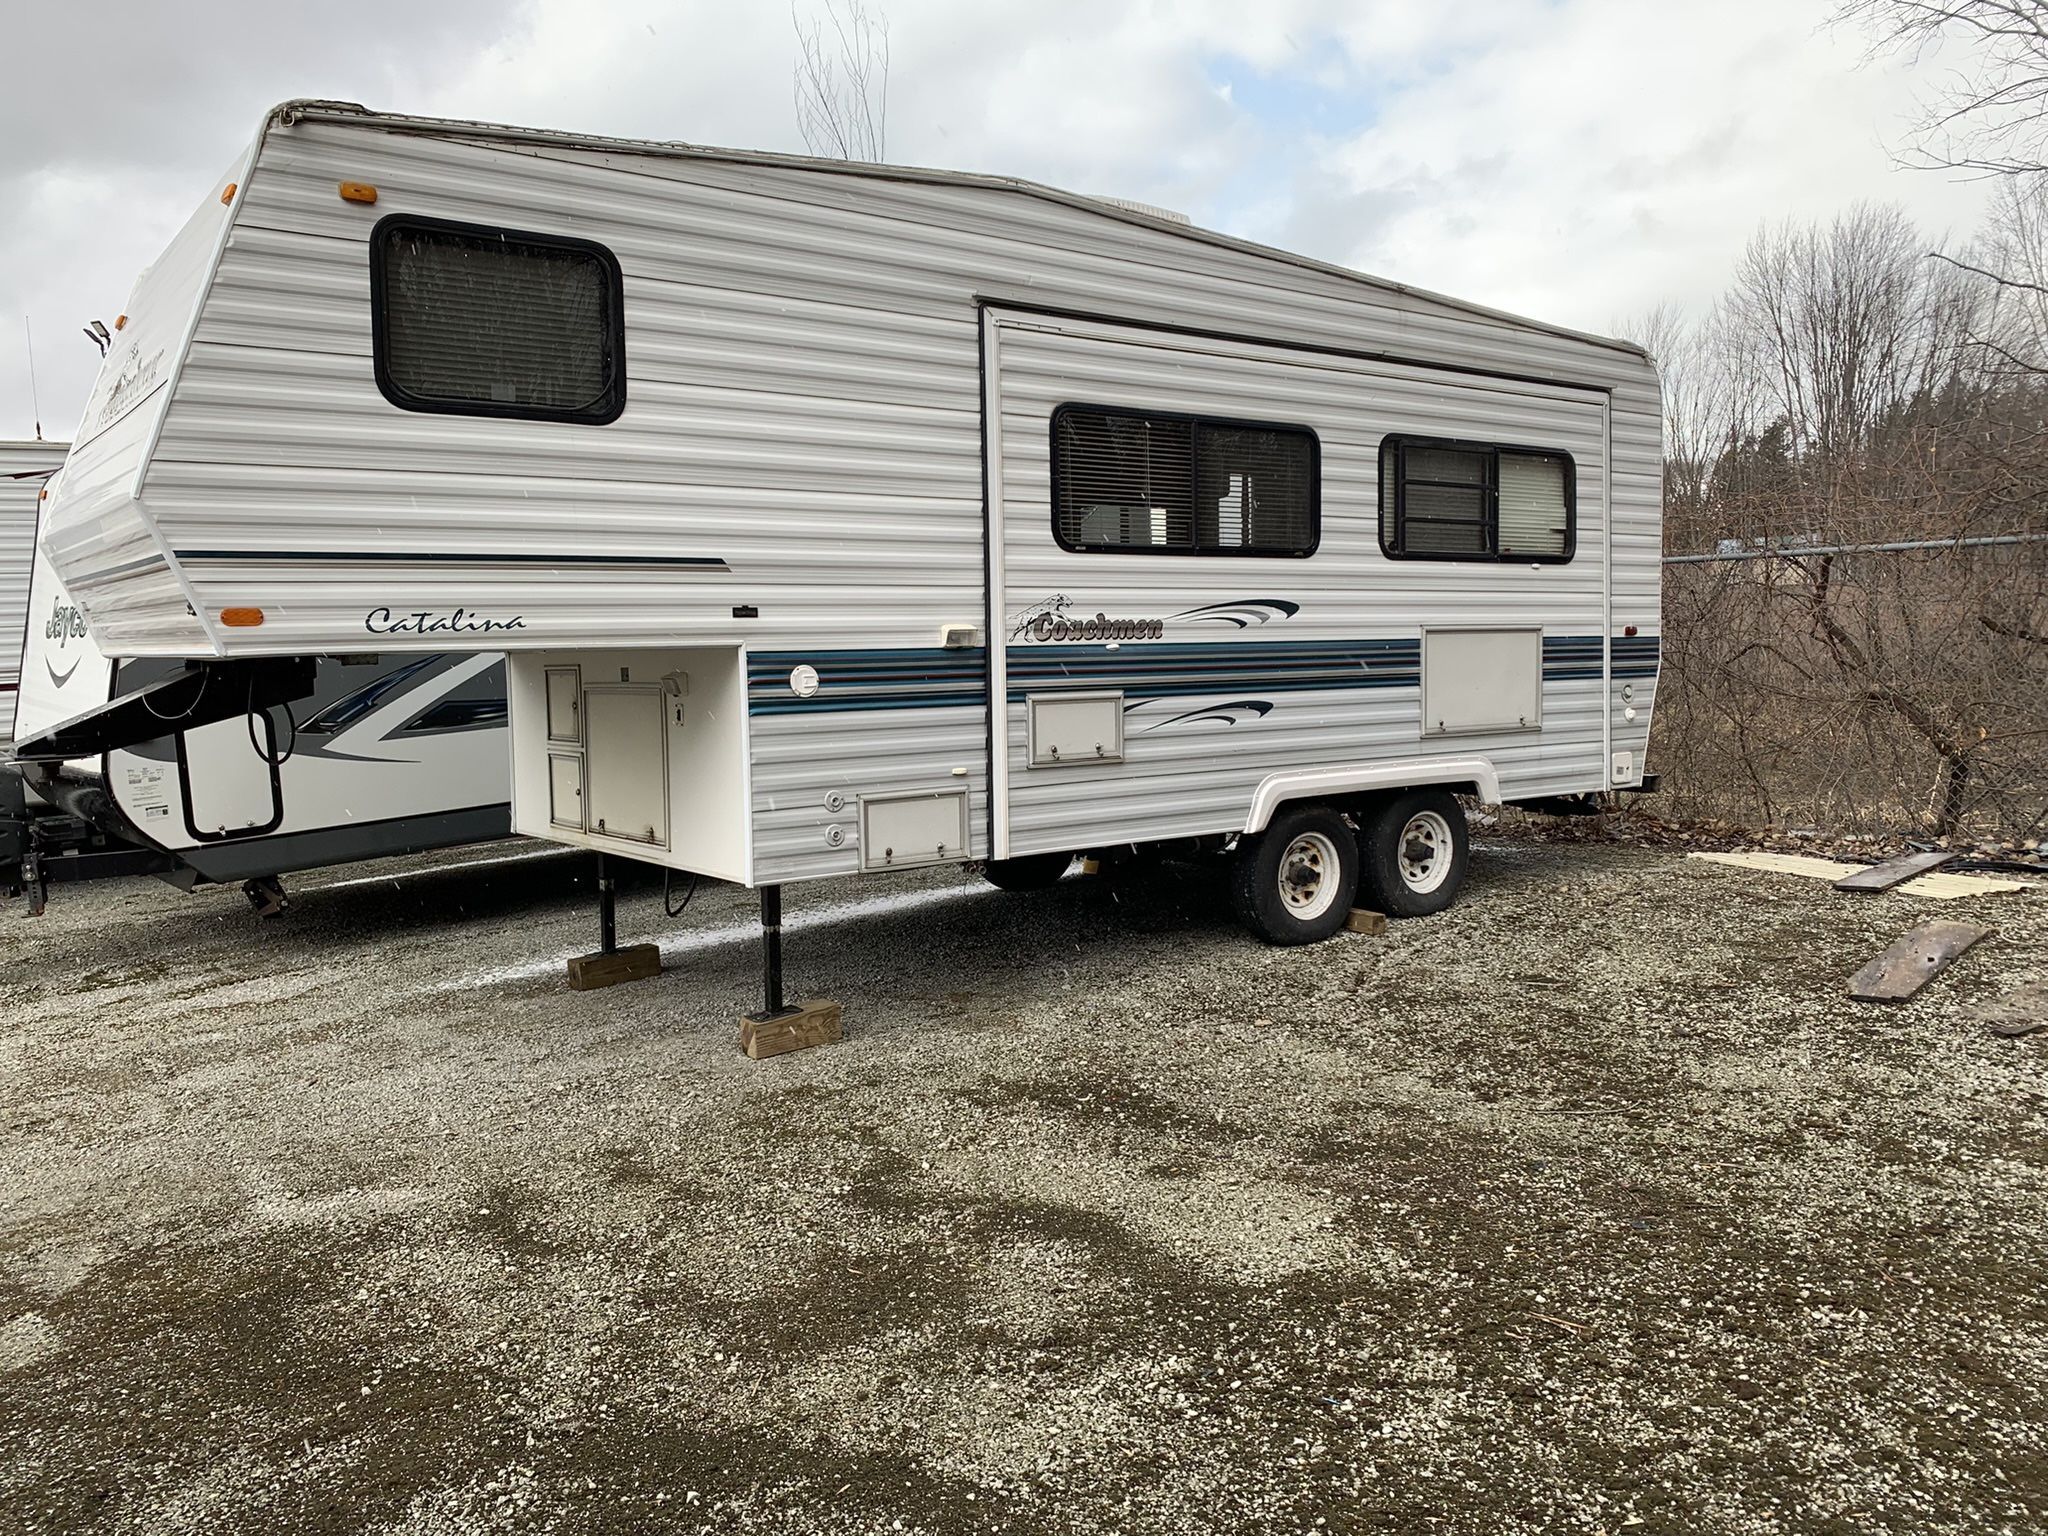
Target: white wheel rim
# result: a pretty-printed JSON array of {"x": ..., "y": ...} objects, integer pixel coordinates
[
  {"x": 1308, "y": 876},
  {"x": 1424, "y": 852}
]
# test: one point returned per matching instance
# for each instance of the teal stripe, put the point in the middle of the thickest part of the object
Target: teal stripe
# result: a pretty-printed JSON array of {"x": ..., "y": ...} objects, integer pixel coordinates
[{"x": 911, "y": 677}]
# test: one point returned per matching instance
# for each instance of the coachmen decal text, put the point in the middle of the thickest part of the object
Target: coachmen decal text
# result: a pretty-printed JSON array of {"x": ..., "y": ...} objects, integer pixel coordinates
[{"x": 1057, "y": 626}]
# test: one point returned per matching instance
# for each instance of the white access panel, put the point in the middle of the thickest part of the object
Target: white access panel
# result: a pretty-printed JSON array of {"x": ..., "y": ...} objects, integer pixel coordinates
[
  {"x": 234, "y": 789},
  {"x": 1075, "y": 728},
  {"x": 625, "y": 768},
  {"x": 1481, "y": 680},
  {"x": 565, "y": 790},
  {"x": 565, "y": 704},
  {"x": 897, "y": 831}
]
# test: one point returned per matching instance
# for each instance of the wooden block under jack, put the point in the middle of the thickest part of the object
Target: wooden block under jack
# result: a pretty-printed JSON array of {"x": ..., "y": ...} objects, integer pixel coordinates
[
  {"x": 636, "y": 962},
  {"x": 1362, "y": 921},
  {"x": 811, "y": 1022}
]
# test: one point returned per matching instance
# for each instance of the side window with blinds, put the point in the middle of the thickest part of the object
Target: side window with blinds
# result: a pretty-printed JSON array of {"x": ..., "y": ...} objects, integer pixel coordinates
[
  {"x": 1125, "y": 482},
  {"x": 472, "y": 321},
  {"x": 1442, "y": 500}
]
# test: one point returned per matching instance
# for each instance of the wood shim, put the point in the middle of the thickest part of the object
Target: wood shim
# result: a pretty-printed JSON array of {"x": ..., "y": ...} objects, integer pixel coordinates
[
  {"x": 1940, "y": 885},
  {"x": 1913, "y": 960},
  {"x": 1882, "y": 877}
]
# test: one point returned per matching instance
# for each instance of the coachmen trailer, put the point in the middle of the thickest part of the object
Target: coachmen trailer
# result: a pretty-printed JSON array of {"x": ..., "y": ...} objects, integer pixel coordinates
[
  {"x": 840, "y": 518},
  {"x": 388, "y": 753},
  {"x": 24, "y": 467}
]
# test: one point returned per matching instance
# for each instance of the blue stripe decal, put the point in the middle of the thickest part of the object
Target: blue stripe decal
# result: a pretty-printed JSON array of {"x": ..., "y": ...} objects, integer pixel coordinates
[
  {"x": 930, "y": 678},
  {"x": 444, "y": 557},
  {"x": 906, "y": 678},
  {"x": 1576, "y": 658}
]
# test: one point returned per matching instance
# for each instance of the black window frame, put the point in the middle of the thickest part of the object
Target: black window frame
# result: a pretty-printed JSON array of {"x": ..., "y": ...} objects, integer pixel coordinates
[
  {"x": 1398, "y": 443},
  {"x": 610, "y": 406},
  {"x": 1196, "y": 423}
]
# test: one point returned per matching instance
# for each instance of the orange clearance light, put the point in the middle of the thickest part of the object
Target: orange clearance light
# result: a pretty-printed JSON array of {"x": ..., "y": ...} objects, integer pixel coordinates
[
  {"x": 358, "y": 192},
  {"x": 120, "y": 321},
  {"x": 227, "y": 193},
  {"x": 241, "y": 618}
]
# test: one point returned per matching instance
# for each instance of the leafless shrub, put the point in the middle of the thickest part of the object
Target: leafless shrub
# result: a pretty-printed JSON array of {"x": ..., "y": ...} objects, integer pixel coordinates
[{"x": 842, "y": 80}]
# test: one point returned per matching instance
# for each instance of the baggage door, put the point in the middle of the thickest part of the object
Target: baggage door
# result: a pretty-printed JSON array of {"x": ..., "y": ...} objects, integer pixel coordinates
[{"x": 229, "y": 772}]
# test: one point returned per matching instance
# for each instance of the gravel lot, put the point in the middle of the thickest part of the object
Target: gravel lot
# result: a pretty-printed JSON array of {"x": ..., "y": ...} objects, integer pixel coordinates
[{"x": 1592, "y": 1205}]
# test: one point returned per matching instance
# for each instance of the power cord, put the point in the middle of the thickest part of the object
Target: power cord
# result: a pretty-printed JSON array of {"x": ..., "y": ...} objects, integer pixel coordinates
[
  {"x": 667, "y": 877},
  {"x": 291, "y": 741}
]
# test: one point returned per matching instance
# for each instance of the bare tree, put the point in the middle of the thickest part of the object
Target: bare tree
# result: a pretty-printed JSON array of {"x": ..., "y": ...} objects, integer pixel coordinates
[
  {"x": 842, "y": 80},
  {"x": 1992, "y": 119},
  {"x": 2011, "y": 257},
  {"x": 1841, "y": 428}
]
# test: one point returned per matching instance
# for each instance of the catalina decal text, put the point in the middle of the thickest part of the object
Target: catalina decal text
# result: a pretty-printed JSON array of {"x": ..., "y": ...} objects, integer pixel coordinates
[{"x": 463, "y": 621}]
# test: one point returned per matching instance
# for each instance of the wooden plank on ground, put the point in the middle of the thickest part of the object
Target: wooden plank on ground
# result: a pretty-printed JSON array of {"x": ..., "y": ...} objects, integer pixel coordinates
[
  {"x": 1913, "y": 960},
  {"x": 1882, "y": 877}
]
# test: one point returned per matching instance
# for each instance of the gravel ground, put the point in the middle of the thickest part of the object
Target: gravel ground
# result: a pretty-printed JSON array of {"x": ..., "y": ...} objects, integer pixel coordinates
[{"x": 1592, "y": 1205}]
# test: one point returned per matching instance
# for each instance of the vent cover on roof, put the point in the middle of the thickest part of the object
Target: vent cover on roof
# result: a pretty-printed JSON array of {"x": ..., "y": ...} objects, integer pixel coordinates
[{"x": 1130, "y": 205}]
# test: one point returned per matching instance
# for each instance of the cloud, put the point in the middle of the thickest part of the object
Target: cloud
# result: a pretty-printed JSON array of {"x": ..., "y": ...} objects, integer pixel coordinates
[
  {"x": 1575, "y": 159},
  {"x": 1590, "y": 159}
]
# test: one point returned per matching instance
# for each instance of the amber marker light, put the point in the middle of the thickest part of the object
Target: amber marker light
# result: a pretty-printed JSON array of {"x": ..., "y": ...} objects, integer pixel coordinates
[
  {"x": 120, "y": 322},
  {"x": 241, "y": 618},
  {"x": 227, "y": 193},
  {"x": 358, "y": 192}
]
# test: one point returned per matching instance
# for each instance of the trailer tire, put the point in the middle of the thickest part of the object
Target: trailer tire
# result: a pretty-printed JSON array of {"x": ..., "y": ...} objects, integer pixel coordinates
[
  {"x": 1031, "y": 872},
  {"x": 1293, "y": 882},
  {"x": 1413, "y": 849}
]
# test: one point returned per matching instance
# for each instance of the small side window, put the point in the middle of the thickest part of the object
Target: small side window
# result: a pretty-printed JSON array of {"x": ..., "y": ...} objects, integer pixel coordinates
[
  {"x": 1125, "y": 482},
  {"x": 473, "y": 321},
  {"x": 1445, "y": 500}
]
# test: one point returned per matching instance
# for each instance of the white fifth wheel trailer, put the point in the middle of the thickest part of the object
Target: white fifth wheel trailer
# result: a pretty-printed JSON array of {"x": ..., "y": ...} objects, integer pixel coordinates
[
  {"x": 388, "y": 753},
  {"x": 24, "y": 466},
  {"x": 842, "y": 517}
]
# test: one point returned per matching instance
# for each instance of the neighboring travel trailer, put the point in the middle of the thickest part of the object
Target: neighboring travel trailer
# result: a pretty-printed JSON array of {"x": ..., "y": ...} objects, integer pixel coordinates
[
  {"x": 842, "y": 517},
  {"x": 24, "y": 467},
  {"x": 390, "y": 752}
]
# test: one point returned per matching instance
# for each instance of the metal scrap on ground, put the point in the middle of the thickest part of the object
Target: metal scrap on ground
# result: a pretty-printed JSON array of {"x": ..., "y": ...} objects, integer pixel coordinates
[
  {"x": 1940, "y": 885},
  {"x": 1913, "y": 960}
]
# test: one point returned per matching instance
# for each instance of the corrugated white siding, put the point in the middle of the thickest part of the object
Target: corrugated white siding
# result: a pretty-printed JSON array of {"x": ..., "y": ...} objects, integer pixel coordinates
[
  {"x": 1195, "y": 755},
  {"x": 23, "y": 467},
  {"x": 97, "y": 534},
  {"x": 802, "y": 401}
]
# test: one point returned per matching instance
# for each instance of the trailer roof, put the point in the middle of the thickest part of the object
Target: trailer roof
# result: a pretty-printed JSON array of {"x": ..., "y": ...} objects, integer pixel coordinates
[{"x": 291, "y": 112}]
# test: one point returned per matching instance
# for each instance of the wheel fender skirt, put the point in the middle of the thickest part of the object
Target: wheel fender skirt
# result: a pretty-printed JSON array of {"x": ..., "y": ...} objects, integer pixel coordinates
[
  {"x": 199, "y": 693},
  {"x": 1276, "y": 789}
]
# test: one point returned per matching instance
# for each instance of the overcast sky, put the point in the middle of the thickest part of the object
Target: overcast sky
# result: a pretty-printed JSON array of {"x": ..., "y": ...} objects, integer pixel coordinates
[{"x": 1576, "y": 160}]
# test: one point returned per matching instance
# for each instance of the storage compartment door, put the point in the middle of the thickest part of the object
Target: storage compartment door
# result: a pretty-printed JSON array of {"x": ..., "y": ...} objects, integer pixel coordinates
[
  {"x": 231, "y": 788},
  {"x": 1481, "y": 680},
  {"x": 625, "y": 771}
]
